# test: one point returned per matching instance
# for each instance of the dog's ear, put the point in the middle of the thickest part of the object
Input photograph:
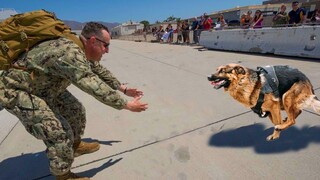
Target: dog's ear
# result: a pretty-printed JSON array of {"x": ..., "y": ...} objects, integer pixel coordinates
[{"x": 240, "y": 70}]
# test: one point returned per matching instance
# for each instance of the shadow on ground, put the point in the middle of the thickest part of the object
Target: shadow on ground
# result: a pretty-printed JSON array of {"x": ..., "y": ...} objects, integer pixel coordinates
[
  {"x": 36, "y": 166},
  {"x": 92, "y": 172},
  {"x": 108, "y": 143},
  {"x": 26, "y": 166},
  {"x": 292, "y": 139}
]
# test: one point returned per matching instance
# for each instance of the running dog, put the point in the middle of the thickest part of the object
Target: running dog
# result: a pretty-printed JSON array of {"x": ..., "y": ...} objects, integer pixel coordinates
[{"x": 267, "y": 91}]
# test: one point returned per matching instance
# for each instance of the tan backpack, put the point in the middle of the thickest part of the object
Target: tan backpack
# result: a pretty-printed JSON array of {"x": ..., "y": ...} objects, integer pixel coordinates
[{"x": 22, "y": 31}]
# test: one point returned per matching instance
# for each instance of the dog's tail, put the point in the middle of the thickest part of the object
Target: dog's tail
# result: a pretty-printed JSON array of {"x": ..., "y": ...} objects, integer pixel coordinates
[{"x": 313, "y": 102}]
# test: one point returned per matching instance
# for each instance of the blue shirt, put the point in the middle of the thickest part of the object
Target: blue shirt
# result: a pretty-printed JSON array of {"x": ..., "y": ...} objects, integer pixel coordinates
[{"x": 194, "y": 25}]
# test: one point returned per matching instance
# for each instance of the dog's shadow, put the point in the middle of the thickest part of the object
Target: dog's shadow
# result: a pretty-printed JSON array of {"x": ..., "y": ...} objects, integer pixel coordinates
[
  {"x": 36, "y": 166},
  {"x": 292, "y": 139}
]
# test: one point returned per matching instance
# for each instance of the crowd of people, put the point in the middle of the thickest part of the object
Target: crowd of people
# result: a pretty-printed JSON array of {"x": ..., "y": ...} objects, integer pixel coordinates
[
  {"x": 281, "y": 18},
  {"x": 183, "y": 29}
]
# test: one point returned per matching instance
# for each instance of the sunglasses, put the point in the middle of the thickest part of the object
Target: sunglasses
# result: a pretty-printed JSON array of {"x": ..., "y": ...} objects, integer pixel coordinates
[{"x": 105, "y": 44}]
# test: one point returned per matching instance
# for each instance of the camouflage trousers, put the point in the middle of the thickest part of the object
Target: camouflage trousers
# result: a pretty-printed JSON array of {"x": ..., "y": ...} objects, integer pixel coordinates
[{"x": 59, "y": 122}]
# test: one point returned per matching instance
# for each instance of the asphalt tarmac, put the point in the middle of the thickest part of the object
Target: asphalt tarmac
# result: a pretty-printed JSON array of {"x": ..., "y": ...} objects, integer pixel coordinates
[{"x": 190, "y": 131}]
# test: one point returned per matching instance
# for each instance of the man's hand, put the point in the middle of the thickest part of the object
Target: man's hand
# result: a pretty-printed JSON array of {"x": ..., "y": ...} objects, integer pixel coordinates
[
  {"x": 135, "y": 105},
  {"x": 132, "y": 92}
]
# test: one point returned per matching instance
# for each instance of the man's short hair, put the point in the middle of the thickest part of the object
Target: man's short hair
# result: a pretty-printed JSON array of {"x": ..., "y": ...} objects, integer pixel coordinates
[
  {"x": 93, "y": 28},
  {"x": 295, "y": 2}
]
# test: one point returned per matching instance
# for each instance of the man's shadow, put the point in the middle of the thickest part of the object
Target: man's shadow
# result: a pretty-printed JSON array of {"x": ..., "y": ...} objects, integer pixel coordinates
[
  {"x": 36, "y": 166},
  {"x": 292, "y": 139},
  {"x": 108, "y": 143},
  {"x": 90, "y": 173}
]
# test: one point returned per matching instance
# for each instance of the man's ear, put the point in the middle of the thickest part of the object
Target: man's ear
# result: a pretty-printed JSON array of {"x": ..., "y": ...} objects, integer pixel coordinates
[
  {"x": 240, "y": 70},
  {"x": 83, "y": 39}
]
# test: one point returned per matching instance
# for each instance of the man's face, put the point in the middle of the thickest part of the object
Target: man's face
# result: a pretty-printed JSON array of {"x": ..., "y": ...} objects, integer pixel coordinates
[
  {"x": 98, "y": 46},
  {"x": 295, "y": 6}
]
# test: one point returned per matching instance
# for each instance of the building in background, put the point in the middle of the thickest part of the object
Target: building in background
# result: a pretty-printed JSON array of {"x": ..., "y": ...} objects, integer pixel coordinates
[{"x": 127, "y": 29}]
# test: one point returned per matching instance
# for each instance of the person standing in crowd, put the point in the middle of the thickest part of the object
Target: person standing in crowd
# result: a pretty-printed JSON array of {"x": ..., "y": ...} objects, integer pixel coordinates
[
  {"x": 297, "y": 15},
  {"x": 200, "y": 29},
  {"x": 179, "y": 32},
  {"x": 247, "y": 20},
  {"x": 243, "y": 20},
  {"x": 195, "y": 28},
  {"x": 38, "y": 94},
  {"x": 185, "y": 32},
  {"x": 257, "y": 20},
  {"x": 281, "y": 17},
  {"x": 221, "y": 23},
  {"x": 207, "y": 23},
  {"x": 145, "y": 32},
  {"x": 160, "y": 33},
  {"x": 315, "y": 18},
  {"x": 169, "y": 29}
]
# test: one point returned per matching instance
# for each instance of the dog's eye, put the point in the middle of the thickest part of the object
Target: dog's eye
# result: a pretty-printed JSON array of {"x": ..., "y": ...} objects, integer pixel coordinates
[{"x": 229, "y": 71}]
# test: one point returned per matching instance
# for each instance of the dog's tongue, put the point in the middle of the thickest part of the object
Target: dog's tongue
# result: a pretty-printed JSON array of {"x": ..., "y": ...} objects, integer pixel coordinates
[
  {"x": 217, "y": 84},
  {"x": 213, "y": 83}
]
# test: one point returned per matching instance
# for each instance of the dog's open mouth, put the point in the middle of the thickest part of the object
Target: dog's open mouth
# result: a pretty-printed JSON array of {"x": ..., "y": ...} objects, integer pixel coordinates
[{"x": 218, "y": 82}]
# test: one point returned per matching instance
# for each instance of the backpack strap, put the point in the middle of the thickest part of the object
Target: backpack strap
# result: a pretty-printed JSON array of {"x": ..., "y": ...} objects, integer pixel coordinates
[{"x": 75, "y": 39}]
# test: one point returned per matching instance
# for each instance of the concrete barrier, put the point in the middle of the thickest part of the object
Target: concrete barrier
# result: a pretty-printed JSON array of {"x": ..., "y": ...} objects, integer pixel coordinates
[{"x": 302, "y": 41}]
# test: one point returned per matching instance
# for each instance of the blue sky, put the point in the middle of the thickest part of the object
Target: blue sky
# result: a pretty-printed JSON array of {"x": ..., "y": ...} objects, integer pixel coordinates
[{"x": 124, "y": 10}]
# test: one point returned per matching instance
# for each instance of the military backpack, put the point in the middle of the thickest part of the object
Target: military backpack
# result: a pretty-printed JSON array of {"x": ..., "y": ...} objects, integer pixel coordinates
[{"x": 21, "y": 32}]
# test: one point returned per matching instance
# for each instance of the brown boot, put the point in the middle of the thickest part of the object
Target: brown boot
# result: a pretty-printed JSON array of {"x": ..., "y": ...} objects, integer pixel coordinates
[
  {"x": 85, "y": 148},
  {"x": 71, "y": 176}
]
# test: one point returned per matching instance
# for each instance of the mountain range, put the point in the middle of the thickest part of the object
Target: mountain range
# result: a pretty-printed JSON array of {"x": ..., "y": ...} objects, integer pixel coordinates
[{"x": 74, "y": 25}]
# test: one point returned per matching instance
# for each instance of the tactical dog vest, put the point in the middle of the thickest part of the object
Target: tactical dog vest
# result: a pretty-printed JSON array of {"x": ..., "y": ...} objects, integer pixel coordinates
[{"x": 270, "y": 86}]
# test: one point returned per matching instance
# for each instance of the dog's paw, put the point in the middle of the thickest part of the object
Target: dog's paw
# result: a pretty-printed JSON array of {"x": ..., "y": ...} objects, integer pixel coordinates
[
  {"x": 272, "y": 137},
  {"x": 277, "y": 128}
]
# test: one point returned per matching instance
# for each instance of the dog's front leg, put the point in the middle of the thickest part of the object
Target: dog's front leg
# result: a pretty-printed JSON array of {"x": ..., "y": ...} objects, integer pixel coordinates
[{"x": 275, "y": 117}]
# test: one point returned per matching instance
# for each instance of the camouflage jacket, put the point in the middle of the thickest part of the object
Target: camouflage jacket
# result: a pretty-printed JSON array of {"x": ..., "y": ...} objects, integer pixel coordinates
[
  {"x": 105, "y": 75},
  {"x": 55, "y": 64}
]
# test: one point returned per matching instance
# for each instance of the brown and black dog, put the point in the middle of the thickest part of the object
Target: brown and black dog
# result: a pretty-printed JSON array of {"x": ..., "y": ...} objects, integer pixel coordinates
[{"x": 294, "y": 92}]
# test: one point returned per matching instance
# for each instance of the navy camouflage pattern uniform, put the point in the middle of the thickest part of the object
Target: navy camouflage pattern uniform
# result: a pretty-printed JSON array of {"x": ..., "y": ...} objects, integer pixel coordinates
[{"x": 38, "y": 96}]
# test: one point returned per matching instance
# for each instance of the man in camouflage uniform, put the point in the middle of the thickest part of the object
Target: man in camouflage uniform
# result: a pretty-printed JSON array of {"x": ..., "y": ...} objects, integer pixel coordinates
[{"x": 38, "y": 94}]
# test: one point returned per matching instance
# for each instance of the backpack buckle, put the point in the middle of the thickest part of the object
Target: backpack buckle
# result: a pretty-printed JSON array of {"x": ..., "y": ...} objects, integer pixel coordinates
[
  {"x": 4, "y": 46},
  {"x": 23, "y": 36}
]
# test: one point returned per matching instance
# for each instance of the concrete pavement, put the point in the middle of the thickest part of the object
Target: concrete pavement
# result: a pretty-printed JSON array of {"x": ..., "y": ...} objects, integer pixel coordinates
[{"x": 190, "y": 130}]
